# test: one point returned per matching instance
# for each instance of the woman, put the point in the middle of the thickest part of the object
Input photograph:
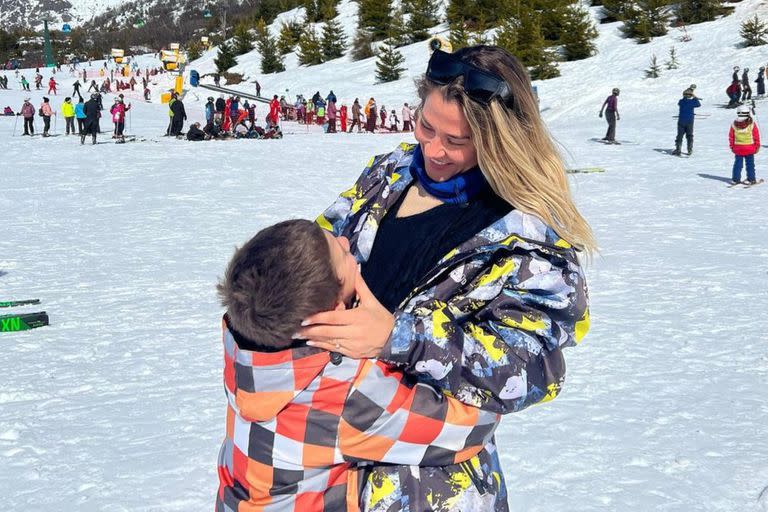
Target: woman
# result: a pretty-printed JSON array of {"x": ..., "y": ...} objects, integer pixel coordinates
[{"x": 468, "y": 242}]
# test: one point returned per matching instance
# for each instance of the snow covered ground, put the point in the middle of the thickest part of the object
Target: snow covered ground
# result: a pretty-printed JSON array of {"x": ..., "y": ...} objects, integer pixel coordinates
[{"x": 118, "y": 405}]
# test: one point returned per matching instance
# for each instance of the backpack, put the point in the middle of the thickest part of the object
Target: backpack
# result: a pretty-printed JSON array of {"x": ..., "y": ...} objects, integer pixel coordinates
[{"x": 40, "y": 112}]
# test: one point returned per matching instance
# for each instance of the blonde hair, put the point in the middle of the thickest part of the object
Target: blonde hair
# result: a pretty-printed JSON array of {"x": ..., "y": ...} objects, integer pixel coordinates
[{"x": 514, "y": 149}]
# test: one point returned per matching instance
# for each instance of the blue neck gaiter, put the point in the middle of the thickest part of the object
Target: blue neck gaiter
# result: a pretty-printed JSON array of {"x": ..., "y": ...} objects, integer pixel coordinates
[{"x": 458, "y": 189}]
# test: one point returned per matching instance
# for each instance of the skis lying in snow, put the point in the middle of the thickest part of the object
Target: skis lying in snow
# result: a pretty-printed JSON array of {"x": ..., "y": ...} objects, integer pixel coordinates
[
  {"x": 585, "y": 170},
  {"x": 23, "y": 321},
  {"x": 14, "y": 303}
]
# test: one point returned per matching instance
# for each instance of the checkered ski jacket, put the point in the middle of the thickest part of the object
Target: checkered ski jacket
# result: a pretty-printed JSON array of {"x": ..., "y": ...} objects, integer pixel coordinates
[
  {"x": 300, "y": 422},
  {"x": 487, "y": 325}
]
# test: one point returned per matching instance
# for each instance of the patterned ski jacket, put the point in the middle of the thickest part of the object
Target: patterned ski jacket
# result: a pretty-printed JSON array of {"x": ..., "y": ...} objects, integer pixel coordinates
[
  {"x": 298, "y": 420},
  {"x": 487, "y": 324}
]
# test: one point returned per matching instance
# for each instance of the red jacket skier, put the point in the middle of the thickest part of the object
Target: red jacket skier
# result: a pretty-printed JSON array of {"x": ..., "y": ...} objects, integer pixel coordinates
[
  {"x": 52, "y": 86},
  {"x": 343, "y": 117},
  {"x": 274, "y": 110},
  {"x": 744, "y": 139}
]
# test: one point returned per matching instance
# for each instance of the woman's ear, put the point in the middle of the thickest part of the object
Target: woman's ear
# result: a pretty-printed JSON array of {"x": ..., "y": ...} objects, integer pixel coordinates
[{"x": 340, "y": 306}]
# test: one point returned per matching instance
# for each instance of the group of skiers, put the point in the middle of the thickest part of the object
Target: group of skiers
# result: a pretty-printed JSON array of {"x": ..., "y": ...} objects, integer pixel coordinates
[
  {"x": 740, "y": 89},
  {"x": 743, "y": 136},
  {"x": 324, "y": 112},
  {"x": 231, "y": 117}
]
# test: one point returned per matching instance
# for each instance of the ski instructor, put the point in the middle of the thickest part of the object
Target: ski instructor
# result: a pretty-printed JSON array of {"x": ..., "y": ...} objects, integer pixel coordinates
[{"x": 470, "y": 277}]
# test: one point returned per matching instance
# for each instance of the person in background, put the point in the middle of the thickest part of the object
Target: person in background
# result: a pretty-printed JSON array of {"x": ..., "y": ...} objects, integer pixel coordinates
[
  {"x": 744, "y": 140},
  {"x": 68, "y": 112},
  {"x": 331, "y": 113},
  {"x": 80, "y": 115},
  {"x": 406, "y": 114},
  {"x": 46, "y": 112},
  {"x": 686, "y": 115},
  {"x": 760, "y": 82},
  {"x": 746, "y": 90},
  {"x": 28, "y": 111},
  {"x": 611, "y": 106},
  {"x": 209, "y": 110},
  {"x": 355, "y": 117},
  {"x": 343, "y": 118}
]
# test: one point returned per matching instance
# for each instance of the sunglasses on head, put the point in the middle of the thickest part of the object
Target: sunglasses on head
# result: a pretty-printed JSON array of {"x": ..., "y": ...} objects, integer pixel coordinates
[{"x": 481, "y": 86}]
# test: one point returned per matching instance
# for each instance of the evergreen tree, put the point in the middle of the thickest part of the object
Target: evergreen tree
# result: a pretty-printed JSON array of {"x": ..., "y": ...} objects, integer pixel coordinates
[
  {"x": 672, "y": 63},
  {"x": 389, "y": 65},
  {"x": 422, "y": 15},
  {"x": 459, "y": 35},
  {"x": 615, "y": 10},
  {"x": 478, "y": 34},
  {"x": 646, "y": 19},
  {"x": 578, "y": 33},
  {"x": 334, "y": 41},
  {"x": 310, "y": 10},
  {"x": 194, "y": 50},
  {"x": 654, "y": 71},
  {"x": 459, "y": 12},
  {"x": 271, "y": 59},
  {"x": 375, "y": 17},
  {"x": 698, "y": 11},
  {"x": 243, "y": 40},
  {"x": 310, "y": 49},
  {"x": 289, "y": 36},
  {"x": 398, "y": 31},
  {"x": 362, "y": 45},
  {"x": 226, "y": 58},
  {"x": 553, "y": 18},
  {"x": 326, "y": 10},
  {"x": 532, "y": 50},
  {"x": 754, "y": 31},
  {"x": 507, "y": 34}
]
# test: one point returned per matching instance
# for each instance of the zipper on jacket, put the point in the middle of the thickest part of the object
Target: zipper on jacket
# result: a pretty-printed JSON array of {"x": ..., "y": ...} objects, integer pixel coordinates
[{"x": 474, "y": 477}]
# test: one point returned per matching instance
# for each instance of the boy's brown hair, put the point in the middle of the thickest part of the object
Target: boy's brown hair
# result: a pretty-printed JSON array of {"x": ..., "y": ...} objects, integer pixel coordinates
[{"x": 277, "y": 279}]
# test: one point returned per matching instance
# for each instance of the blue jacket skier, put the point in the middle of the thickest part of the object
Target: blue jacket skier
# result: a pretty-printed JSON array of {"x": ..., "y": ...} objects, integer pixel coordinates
[{"x": 687, "y": 106}]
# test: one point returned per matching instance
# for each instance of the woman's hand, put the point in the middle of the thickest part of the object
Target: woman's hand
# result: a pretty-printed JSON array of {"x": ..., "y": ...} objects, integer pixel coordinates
[{"x": 358, "y": 333}]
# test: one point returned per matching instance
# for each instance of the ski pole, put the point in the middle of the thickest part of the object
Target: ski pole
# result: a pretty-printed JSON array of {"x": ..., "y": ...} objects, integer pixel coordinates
[{"x": 14, "y": 126}]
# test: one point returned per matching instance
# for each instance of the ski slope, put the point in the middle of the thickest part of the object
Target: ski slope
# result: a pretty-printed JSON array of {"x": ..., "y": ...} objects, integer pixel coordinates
[{"x": 118, "y": 405}]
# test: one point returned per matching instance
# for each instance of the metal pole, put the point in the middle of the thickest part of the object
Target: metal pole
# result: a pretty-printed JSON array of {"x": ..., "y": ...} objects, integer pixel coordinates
[{"x": 14, "y": 126}]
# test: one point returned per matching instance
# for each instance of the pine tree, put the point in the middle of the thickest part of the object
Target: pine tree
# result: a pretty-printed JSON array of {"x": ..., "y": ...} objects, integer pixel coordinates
[
  {"x": 459, "y": 35},
  {"x": 646, "y": 19},
  {"x": 615, "y": 10},
  {"x": 754, "y": 31},
  {"x": 310, "y": 10},
  {"x": 243, "y": 40},
  {"x": 654, "y": 71},
  {"x": 194, "y": 50},
  {"x": 507, "y": 34},
  {"x": 310, "y": 49},
  {"x": 532, "y": 50},
  {"x": 271, "y": 59},
  {"x": 362, "y": 45},
  {"x": 334, "y": 41},
  {"x": 389, "y": 65},
  {"x": 326, "y": 10},
  {"x": 698, "y": 11},
  {"x": 459, "y": 12},
  {"x": 578, "y": 33},
  {"x": 375, "y": 17},
  {"x": 478, "y": 34},
  {"x": 672, "y": 63},
  {"x": 422, "y": 16},
  {"x": 226, "y": 59},
  {"x": 398, "y": 31},
  {"x": 289, "y": 36}
]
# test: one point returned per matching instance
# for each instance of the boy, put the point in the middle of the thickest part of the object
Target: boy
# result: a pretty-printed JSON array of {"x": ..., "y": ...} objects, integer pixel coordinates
[
  {"x": 299, "y": 418},
  {"x": 744, "y": 139}
]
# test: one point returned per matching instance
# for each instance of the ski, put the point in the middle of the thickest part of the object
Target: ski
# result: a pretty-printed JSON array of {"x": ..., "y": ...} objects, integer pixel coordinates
[
  {"x": 23, "y": 321},
  {"x": 585, "y": 170},
  {"x": 14, "y": 303},
  {"x": 750, "y": 185}
]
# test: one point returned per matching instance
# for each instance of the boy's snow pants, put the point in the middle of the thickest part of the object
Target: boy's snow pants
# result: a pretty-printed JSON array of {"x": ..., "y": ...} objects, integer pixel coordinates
[
  {"x": 737, "y": 165},
  {"x": 687, "y": 130},
  {"x": 70, "y": 122}
]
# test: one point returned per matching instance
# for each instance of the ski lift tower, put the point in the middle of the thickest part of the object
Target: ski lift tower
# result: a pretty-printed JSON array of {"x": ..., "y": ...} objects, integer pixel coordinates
[{"x": 49, "y": 63}]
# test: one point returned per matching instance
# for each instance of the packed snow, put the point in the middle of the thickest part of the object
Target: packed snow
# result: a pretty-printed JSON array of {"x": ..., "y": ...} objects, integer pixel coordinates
[{"x": 118, "y": 404}]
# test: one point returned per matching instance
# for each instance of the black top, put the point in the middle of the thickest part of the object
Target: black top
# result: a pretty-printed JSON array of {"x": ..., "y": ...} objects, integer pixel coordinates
[{"x": 407, "y": 248}]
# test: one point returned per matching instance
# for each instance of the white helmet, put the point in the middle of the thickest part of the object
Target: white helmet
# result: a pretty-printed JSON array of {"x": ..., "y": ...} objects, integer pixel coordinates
[{"x": 743, "y": 111}]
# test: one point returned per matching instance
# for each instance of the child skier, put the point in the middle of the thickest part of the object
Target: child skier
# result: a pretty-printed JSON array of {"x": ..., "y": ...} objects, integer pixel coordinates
[
  {"x": 744, "y": 139},
  {"x": 687, "y": 105},
  {"x": 393, "y": 121},
  {"x": 761, "y": 82},
  {"x": 298, "y": 417}
]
